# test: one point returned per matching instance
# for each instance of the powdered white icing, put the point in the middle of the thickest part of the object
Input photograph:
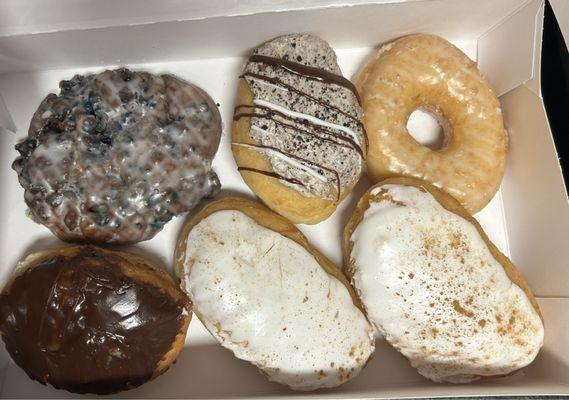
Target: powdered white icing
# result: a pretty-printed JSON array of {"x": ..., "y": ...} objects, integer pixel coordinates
[
  {"x": 266, "y": 298},
  {"x": 431, "y": 286}
]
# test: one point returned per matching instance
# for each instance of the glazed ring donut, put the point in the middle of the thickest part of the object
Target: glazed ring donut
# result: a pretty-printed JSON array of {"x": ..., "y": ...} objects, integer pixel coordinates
[{"x": 427, "y": 72}]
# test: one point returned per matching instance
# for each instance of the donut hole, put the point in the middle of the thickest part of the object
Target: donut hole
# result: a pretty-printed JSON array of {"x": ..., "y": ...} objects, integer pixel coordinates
[{"x": 428, "y": 129}]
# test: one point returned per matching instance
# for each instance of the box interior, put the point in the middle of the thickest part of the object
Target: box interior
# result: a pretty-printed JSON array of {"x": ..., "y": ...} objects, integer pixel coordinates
[{"x": 528, "y": 219}]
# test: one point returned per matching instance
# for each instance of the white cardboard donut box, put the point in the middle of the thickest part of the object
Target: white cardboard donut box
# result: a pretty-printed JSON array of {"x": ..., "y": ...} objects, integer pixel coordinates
[{"x": 206, "y": 42}]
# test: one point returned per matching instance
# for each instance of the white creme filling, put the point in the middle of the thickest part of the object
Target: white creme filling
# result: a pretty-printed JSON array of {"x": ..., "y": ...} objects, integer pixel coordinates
[
  {"x": 432, "y": 287},
  {"x": 266, "y": 298}
]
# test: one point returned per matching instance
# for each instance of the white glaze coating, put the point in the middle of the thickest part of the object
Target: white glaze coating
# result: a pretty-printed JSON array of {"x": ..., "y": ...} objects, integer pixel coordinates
[
  {"x": 431, "y": 286},
  {"x": 116, "y": 155},
  {"x": 266, "y": 298}
]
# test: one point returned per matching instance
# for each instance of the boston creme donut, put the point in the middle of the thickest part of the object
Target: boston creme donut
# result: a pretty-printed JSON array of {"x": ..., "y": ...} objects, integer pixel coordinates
[
  {"x": 427, "y": 72},
  {"x": 90, "y": 320}
]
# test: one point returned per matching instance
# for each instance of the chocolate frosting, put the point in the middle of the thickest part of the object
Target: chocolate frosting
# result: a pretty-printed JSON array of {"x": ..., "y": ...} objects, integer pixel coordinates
[{"x": 80, "y": 324}]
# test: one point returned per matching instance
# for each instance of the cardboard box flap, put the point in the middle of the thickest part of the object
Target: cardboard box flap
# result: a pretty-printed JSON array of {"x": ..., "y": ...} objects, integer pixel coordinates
[
  {"x": 509, "y": 53},
  {"x": 217, "y": 37},
  {"x": 6, "y": 122},
  {"x": 42, "y": 16},
  {"x": 535, "y": 82},
  {"x": 553, "y": 361},
  {"x": 533, "y": 189}
]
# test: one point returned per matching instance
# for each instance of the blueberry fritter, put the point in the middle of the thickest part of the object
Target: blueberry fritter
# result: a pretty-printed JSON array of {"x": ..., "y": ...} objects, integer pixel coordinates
[{"x": 116, "y": 155}]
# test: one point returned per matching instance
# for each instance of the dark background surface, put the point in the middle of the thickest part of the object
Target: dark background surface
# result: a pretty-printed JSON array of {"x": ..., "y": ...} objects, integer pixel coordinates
[{"x": 555, "y": 86}]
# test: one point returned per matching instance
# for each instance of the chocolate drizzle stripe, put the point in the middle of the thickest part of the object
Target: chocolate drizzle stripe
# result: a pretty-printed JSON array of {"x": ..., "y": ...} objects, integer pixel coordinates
[
  {"x": 305, "y": 71},
  {"x": 272, "y": 175},
  {"x": 261, "y": 147},
  {"x": 279, "y": 82},
  {"x": 318, "y": 128}
]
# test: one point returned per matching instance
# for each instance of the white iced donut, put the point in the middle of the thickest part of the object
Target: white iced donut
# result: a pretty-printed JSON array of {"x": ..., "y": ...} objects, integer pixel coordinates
[
  {"x": 268, "y": 296},
  {"x": 436, "y": 287}
]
